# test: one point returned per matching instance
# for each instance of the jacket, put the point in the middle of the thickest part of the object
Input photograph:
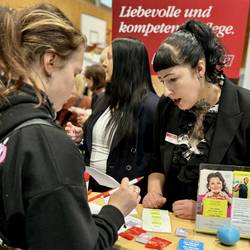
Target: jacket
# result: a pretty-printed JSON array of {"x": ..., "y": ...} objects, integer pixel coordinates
[
  {"x": 43, "y": 201},
  {"x": 128, "y": 158},
  {"x": 230, "y": 143}
]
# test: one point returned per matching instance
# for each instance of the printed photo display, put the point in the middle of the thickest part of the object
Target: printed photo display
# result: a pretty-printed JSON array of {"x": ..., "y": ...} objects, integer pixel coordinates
[{"x": 223, "y": 198}]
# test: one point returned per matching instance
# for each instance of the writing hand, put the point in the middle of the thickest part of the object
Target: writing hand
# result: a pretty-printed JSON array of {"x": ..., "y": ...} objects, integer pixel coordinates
[{"x": 126, "y": 197}]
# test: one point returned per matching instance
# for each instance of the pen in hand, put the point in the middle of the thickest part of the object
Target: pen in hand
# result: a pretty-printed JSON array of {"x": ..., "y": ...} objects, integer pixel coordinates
[{"x": 108, "y": 193}]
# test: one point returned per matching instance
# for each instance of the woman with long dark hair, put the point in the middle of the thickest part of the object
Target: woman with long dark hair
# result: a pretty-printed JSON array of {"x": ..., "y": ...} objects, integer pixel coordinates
[{"x": 118, "y": 135}]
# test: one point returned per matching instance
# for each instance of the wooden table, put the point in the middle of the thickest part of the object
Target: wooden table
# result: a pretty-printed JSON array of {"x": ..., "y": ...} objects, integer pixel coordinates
[{"x": 210, "y": 241}]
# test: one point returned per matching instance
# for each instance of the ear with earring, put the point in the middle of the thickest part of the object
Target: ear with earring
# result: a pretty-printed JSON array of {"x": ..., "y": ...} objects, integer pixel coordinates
[{"x": 200, "y": 68}]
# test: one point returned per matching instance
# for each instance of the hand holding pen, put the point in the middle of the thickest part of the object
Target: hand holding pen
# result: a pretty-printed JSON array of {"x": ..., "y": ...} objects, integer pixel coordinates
[
  {"x": 108, "y": 193},
  {"x": 126, "y": 197}
]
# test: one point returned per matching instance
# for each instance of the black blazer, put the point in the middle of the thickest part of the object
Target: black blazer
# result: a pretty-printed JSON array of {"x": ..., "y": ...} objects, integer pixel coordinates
[
  {"x": 231, "y": 139},
  {"x": 128, "y": 159}
]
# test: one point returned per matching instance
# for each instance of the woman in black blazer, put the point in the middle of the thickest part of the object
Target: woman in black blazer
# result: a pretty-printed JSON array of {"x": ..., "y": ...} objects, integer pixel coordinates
[
  {"x": 122, "y": 138},
  {"x": 203, "y": 118}
]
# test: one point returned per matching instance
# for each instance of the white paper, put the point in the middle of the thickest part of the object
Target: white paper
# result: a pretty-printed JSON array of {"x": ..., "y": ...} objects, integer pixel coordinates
[
  {"x": 241, "y": 215},
  {"x": 102, "y": 179},
  {"x": 130, "y": 221},
  {"x": 156, "y": 220},
  {"x": 94, "y": 208}
]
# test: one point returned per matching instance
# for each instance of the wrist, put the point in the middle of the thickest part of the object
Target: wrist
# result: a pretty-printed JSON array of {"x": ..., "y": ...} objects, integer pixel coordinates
[{"x": 156, "y": 192}]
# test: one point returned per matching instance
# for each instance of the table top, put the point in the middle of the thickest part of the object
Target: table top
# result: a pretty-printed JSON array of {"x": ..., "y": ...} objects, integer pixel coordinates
[{"x": 210, "y": 241}]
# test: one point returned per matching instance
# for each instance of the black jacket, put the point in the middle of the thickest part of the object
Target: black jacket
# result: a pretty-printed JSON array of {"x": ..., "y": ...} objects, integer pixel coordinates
[
  {"x": 128, "y": 158},
  {"x": 230, "y": 143},
  {"x": 43, "y": 201}
]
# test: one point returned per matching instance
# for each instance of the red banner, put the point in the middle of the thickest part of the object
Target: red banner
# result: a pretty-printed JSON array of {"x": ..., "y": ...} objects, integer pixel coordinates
[{"x": 152, "y": 21}]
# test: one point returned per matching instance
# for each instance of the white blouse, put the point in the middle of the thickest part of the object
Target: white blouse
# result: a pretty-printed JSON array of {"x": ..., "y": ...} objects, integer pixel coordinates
[{"x": 100, "y": 145}]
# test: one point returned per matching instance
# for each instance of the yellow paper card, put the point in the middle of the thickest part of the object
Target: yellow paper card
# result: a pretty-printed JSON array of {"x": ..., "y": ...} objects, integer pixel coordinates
[{"x": 215, "y": 208}]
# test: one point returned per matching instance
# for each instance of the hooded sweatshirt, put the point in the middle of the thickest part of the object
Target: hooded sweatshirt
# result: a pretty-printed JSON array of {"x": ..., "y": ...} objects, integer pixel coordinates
[{"x": 43, "y": 204}]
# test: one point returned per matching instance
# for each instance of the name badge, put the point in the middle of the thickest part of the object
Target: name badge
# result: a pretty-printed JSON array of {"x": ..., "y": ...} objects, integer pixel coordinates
[{"x": 172, "y": 138}]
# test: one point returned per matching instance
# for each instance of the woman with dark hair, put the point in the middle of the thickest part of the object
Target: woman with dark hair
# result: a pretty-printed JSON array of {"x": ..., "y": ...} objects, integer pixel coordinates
[
  {"x": 118, "y": 135},
  {"x": 95, "y": 79},
  {"x": 203, "y": 118},
  {"x": 216, "y": 186}
]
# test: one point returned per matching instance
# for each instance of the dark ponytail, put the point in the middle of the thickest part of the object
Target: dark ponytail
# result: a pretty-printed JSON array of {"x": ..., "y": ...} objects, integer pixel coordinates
[
  {"x": 213, "y": 50},
  {"x": 190, "y": 43}
]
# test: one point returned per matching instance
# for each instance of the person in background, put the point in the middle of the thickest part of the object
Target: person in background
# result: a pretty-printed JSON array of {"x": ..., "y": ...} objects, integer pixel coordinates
[
  {"x": 103, "y": 55},
  {"x": 119, "y": 133},
  {"x": 68, "y": 113},
  {"x": 95, "y": 79},
  {"x": 43, "y": 202},
  {"x": 203, "y": 118}
]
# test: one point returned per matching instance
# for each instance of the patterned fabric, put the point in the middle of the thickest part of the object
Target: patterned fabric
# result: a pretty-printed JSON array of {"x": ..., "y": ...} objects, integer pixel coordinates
[{"x": 188, "y": 155}]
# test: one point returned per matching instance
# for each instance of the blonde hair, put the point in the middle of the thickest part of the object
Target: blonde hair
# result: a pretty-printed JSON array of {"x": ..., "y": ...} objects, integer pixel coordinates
[
  {"x": 5, "y": 14},
  {"x": 33, "y": 32},
  {"x": 11, "y": 61},
  {"x": 79, "y": 85},
  {"x": 103, "y": 55}
]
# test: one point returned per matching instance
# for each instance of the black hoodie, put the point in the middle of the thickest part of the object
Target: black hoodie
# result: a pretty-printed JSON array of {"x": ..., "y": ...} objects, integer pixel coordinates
[{"x": 43, "y": 203}]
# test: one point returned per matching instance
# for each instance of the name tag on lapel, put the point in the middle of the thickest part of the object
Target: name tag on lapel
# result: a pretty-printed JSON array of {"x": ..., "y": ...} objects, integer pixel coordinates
[{"x": 172, "y": 138}]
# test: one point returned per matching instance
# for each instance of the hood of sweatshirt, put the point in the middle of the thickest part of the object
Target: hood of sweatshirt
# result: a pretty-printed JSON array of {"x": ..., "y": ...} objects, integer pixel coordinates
[{"x": 21, "y": 107}]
